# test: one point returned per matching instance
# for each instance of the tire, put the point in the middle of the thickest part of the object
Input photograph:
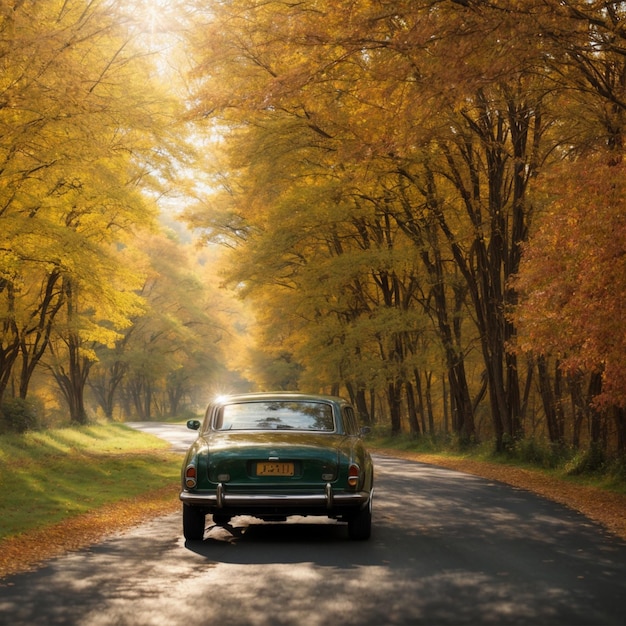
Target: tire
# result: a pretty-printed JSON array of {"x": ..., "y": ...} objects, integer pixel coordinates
[
  {"x": 193, "y": 523},
  {"x": 360, "y": 524}
]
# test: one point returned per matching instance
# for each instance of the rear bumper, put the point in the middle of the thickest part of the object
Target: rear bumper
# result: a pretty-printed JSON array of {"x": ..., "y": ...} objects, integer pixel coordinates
[{"x": 289, "y": 503}]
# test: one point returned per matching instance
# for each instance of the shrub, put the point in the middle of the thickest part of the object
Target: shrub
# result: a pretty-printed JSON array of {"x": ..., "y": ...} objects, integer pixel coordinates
[
  {"x": 18, "y": 415},
  {"x": 616, "y": 468},
  {"x": 541, "y": 453},
  {"x": 590, "y": 461}
]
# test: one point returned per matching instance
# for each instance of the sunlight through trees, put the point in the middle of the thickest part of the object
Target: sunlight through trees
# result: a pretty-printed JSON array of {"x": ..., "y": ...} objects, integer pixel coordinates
[{"x": 417, "y": 204}]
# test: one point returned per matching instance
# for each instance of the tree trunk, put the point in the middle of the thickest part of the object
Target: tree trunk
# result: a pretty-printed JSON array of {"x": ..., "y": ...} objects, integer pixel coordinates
[
  {"x": 595, "y": 418},
  {"x": 361, "y": 407},
  {"x": 414, "y": 427},
  {"x": 429, "y": 403},
  {"x": 620, "y": 426},
  {"x": 395, "y": 412},
  {"x": 550, "y": 402},
  {"x": 372, "y": 411},
  {"x": 420, "y": 400},
  {"x": 446, "y": 410}
]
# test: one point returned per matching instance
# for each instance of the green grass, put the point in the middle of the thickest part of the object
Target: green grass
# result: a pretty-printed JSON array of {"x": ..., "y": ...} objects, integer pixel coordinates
[{"x": 49, "y": 476}]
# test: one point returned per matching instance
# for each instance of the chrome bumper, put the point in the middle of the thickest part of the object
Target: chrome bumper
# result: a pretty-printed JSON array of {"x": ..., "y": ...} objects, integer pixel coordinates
[{"x": 329, "y": 500}]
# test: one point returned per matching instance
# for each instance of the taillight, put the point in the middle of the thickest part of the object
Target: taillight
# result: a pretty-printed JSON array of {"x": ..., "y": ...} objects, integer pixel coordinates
[
  {"x": 353, "y": 475},
  {"x": 190, "y": 476}
]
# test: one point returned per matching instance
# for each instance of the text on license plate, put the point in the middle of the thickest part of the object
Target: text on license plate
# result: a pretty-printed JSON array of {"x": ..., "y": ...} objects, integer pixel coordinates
[{"x": 274, "y": 468}]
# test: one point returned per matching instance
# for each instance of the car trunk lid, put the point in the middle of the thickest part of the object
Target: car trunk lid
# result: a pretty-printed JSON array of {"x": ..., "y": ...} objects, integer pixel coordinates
[{"x": 287, "y": 460}]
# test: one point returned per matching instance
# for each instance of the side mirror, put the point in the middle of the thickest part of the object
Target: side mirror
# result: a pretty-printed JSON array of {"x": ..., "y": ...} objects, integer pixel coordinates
[{"x": 193, "y": 424}]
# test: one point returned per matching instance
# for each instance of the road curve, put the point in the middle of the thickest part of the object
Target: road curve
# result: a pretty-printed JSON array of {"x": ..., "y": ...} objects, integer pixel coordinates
[{"x": 447, "y": 548}]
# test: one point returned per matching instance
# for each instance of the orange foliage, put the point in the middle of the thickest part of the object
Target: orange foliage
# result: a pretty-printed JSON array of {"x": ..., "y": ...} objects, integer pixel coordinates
[{"x": 573, "y": 275}]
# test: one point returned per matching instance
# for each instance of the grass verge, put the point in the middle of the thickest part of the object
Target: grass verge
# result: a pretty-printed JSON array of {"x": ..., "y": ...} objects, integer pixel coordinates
[
  {"x": 53, "y": 476},
  {"x": 574, "y": 467}
]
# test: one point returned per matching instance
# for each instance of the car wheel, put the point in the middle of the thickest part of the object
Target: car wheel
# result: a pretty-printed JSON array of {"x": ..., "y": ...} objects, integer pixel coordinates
[
  {"x": 360, "y": 524},
  {"x": 193, "y": 523}
]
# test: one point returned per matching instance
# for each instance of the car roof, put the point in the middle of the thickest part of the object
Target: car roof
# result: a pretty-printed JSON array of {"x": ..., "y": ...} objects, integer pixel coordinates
[{"x": 278, "y": 395}]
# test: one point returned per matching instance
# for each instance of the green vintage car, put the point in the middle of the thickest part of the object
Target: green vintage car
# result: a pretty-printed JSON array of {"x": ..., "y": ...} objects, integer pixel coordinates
[{"x": 273, "y": 455}]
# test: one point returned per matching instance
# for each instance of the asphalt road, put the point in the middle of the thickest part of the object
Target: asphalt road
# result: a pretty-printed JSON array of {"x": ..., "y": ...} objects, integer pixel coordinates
[{"x": 446, "y": 548}]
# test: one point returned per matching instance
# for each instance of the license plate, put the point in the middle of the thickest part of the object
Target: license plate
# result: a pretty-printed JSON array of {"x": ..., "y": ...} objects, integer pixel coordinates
[{"x": 274, "y": 468}]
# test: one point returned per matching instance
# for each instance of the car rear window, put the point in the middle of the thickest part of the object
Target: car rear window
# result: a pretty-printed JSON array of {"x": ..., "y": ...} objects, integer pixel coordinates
[{"x": 276, "y": 415}]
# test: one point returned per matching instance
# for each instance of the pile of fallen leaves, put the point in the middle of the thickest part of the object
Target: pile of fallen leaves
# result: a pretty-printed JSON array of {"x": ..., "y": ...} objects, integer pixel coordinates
[{"x": 29, "y": 550}]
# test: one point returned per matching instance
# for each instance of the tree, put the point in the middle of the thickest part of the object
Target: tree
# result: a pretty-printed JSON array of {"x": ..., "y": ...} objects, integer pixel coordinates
[
  {"x": 423, "y": 130},
  {"x": 573, "y": 279},
  {"x": 84, "y": 130},
  {"x": 337, "y": 93},
  {"x": 580, "y": 230},
  {"x": 172, "y": 349},
  {"x": 97, "y": 307}
]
